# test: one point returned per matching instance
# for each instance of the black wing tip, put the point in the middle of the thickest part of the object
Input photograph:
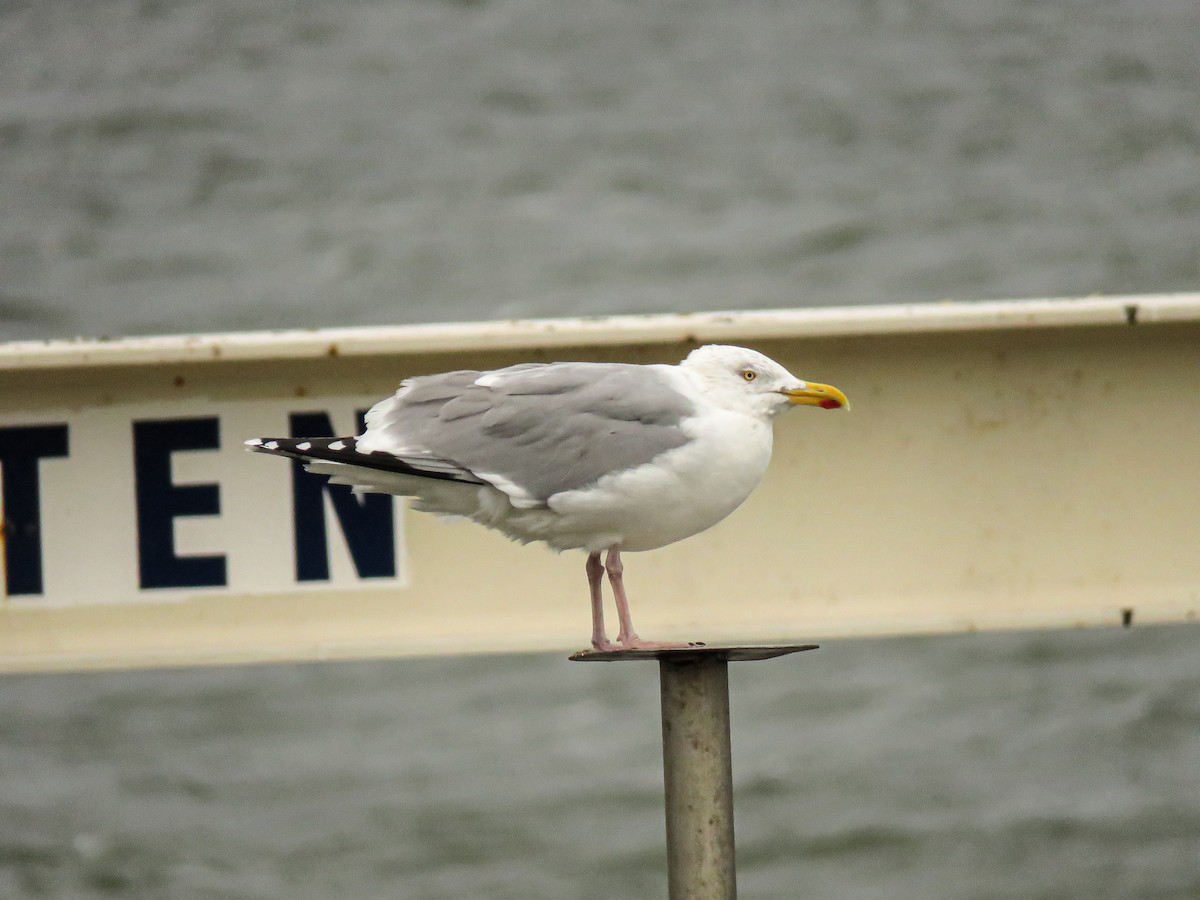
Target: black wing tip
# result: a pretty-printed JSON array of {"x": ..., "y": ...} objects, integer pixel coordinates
[{"x": 345, "y": 450}]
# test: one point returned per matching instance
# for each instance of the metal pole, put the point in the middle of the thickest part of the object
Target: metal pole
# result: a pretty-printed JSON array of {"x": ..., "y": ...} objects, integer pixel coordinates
[
  {"x": 697, "y": 760},
  {"x": 698, "y": 778}
]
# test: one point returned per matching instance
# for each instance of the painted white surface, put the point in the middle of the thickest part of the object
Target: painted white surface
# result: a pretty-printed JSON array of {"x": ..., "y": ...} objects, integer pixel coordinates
[
  {"x": 987, "y": 477},
  {"x": 711, "y": 327},
  {"x": 89, "y": 517}
]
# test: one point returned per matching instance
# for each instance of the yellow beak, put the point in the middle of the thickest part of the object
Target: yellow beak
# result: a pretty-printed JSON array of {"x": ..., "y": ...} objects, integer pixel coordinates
[{"x": 825, "y": 396}]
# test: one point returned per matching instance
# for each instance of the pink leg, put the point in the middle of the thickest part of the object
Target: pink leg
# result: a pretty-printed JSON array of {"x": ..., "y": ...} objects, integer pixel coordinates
[
  {"x": 595, "y": 572},
  {"x": 627, "y": 637},
  {"x": 616, "y": 573}
]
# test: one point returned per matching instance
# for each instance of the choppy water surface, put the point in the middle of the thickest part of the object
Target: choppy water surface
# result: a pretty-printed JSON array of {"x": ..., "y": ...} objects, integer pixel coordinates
[
  {"x": 174, "y": 166},
  {"x": 1057, "y": 765}
]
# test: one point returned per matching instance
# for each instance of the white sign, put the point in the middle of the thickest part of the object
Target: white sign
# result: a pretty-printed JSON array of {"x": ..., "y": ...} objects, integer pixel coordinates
[{"x": 158, "y": 502}]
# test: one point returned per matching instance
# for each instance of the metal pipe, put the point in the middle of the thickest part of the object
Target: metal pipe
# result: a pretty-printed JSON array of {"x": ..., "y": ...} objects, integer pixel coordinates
[{"x": 698, "y": 777}]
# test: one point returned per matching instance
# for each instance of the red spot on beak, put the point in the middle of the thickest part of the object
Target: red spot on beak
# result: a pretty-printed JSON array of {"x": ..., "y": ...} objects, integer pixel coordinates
[{"x": 829, "y": 404}]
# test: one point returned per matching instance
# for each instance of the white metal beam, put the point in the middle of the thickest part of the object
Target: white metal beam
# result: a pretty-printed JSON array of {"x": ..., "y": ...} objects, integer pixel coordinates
[
  {"x": 1006, "y": 465},
  {"x": 604, "y": 331}
]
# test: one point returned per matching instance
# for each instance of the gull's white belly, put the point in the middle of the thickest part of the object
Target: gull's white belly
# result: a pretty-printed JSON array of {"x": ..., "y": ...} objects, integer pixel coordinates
[{"x": 681, "y": 493}]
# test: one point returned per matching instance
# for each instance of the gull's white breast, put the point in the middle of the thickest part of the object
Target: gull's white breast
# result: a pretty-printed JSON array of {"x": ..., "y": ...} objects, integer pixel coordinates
[{"x": 680, "y": 493}]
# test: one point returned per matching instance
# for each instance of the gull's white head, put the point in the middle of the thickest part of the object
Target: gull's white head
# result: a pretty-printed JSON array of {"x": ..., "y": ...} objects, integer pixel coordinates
[{"x": 742, "y": 379}]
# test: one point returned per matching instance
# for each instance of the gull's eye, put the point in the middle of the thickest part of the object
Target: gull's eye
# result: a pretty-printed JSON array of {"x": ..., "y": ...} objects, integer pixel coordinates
[{"x": 749, "y": 374}]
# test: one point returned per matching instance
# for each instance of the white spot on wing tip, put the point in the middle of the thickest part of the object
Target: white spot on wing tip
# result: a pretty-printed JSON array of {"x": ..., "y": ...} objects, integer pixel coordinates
[
  {"x": 337, "y": 445},
  {"x": 271, "y": 445},
  {"x": 253, "y": 442},
  {"x": 304, "y": 445}
]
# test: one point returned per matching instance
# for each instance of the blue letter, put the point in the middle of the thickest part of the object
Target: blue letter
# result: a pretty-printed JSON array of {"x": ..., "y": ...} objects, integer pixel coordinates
[
  {"x": 20, "y": 450},
  {"x": 159, "y": 502},
  {"x": 366, "y": 520}
]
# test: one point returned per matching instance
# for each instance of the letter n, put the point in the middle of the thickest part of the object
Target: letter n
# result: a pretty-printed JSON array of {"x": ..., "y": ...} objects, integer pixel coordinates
[{"x": 367, "y": 521}]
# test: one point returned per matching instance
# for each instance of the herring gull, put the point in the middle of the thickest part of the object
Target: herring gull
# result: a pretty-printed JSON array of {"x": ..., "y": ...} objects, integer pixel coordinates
[{"x": 599, "y": 457}]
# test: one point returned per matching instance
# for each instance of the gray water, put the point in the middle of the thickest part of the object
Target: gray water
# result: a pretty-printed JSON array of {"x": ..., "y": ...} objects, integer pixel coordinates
[
  {"x": 176, "y": 166},
  {"x": 1059, "y": 765},
  {"x": 223, "y": 164}
]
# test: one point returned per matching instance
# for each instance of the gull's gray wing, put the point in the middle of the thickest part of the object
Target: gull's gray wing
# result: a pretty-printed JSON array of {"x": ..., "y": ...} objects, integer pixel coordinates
[{"x": 532, "y": 430}]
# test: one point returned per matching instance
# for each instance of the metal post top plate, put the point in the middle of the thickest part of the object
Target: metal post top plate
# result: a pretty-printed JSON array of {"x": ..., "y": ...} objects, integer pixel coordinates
[{"x": 696, "y": 653}]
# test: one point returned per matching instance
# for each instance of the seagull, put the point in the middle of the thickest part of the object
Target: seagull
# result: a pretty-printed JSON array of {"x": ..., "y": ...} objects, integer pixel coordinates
[{"x": 599, "y": 457}]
